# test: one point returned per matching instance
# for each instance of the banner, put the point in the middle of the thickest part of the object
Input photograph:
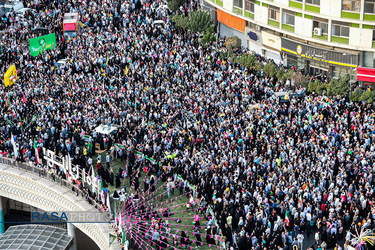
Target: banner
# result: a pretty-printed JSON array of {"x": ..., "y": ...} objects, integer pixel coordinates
[
  {"x": 112, "y": 238},
  {"x": 10, "y": 76},
  {"x": 271, "y": 40},
  {"x": 42, "y": 43}
]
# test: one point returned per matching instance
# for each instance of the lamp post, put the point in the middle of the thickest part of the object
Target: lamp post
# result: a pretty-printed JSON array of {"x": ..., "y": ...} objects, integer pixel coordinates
[
  {"x": 217, "y": 26},
  {"x": 350, "y": 74}
]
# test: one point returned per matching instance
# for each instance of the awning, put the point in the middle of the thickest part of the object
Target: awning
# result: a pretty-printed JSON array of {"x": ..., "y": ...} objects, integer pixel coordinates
[
  {"x": 271, "y": 54},
  {"x": 365, "y": 74}
]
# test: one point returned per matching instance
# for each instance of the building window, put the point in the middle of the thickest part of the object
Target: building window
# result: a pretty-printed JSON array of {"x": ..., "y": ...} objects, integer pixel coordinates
[
  {"x": 351, "y": 5},
  {"x": 314, "y": 2},
  {"x": 321, "y": 24},
  {"x": 249, "y": 6},
  {"x": 238, "y": 3},
  {"x": 288, "y": 18},
  {"x": 251, "y": 25},
  {"x": 340, "y": 30},
  {"x": 370, "y": 6},
  {"x": 274, "y": 13}
]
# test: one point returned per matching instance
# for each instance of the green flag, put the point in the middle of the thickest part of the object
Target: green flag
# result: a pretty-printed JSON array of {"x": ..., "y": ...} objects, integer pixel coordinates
[
  {"x": 112, "y": 238},
  {"x": 8, "y": 121},
  {"x": 35, "y": 116},
  {"x": 114, "y": 209},
  {"x": 123, "y": 237},
  {"x": 279, "y": 161},
  {"x": 311, "y": 118},
  {"x": 101, "y": 185}
]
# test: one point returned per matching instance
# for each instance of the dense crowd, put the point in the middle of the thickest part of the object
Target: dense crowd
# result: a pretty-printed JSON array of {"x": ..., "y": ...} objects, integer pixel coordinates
[{"x": 274, "y": 172}]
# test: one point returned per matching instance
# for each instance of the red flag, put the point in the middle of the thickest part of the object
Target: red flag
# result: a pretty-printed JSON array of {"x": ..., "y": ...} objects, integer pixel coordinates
[{"x": 23, "y": 97}]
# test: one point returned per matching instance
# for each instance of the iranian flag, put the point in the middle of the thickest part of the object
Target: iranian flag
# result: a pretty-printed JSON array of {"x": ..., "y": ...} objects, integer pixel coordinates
[{"x": 12, "y": 78}]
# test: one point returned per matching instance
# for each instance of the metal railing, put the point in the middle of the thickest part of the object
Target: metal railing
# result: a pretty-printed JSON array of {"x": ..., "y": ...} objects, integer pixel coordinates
[{"x": 52, "y": 177}]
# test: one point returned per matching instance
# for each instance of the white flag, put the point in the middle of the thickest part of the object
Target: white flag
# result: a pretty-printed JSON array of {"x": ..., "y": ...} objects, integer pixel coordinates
[
  {"x": 15, "y": 149},
  {"x": 108, "y": 203}
]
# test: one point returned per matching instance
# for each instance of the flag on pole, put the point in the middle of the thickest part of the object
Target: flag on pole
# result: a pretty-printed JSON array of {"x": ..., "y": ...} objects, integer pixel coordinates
[
  {"x": 108, "y": 203},
  {"x": 23, "y": 97},
  {"x": 33, "y": 119},
  {"x": 7, "y": 103},
  {"x": 15, "y": 149},
  {"x": 112, "y": 238},
  {"x": 123, "y": 237},
  {"x": 36, "y": 156},
  {"x": 114, "y": 209},
  {"x": 126, "y": 70},
  {"x": 120, "y": 224}
]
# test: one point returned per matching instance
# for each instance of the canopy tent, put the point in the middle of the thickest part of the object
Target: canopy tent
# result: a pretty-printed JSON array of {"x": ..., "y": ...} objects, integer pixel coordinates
[{"x": 105, "y": 129}]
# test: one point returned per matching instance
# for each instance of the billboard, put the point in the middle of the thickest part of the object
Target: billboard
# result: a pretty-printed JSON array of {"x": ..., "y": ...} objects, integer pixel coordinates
[
  {"x": 10, "y": 76},
  {"x": 42, "y": 43}
]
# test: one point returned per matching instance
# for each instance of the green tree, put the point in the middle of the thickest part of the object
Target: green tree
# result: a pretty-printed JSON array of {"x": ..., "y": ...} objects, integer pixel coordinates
[
  {"x": 258, "y": 66},
  {"x": 199, "y": 21},
  {"x": 233, "y": 42},
  {"x": 181, "y": 21},
  {"x": 368, "y": 96},
  {"x": 343, "y": 85},
  {"x": 313, "y": 86},
  {"x": 208, "y": 36},
  {"x": 287, "y": 75},
  {"x": 173, "y": 5},
  {"x": 270, "y": 69},
  {"x": 356, "y": 95}
]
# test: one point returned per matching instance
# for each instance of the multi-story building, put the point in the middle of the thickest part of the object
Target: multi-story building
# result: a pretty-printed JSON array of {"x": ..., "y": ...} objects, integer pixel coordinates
[{"x": 329, "y": 37}]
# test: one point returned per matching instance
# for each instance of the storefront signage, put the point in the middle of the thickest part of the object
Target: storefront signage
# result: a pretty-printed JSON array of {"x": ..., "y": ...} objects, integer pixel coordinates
[
  {"x": 319, "y": 54},
  {"x": 271, "y": 40}
]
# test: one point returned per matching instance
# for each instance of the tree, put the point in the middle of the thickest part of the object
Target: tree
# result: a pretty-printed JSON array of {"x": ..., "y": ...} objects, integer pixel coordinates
[
  {"x": 367, "y": 96},
  {"x": 173, "y": 5},
  {"x": 270, "y": 69},
  {"x": 181, "y": 21},
  {"x": 233, "y": 42},
  {"x": 199, "y": 21},
  {"x": 356, "y": 95},
  {"x": 208, "y": 36}
]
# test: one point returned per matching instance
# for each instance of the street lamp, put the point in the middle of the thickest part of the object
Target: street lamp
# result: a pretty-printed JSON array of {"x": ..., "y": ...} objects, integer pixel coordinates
[
  {"x": 217, "y": 26},
  {"x": 351, "y": 71}
]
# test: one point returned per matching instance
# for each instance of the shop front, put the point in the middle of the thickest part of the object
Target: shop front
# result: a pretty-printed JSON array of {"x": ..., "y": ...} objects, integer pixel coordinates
[
  {"x": 319, "y": 61},
  {"x": 254, "y": 40},
  {"x": 366, "y": 76},
  {"x": 271, "y": 47}
]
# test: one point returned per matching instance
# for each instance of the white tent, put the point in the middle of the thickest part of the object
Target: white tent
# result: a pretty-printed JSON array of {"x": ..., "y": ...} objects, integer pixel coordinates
[{"x": 105, "y": 129}]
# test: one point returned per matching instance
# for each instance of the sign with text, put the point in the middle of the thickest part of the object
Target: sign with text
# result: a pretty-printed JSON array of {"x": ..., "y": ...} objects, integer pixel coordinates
[{"x": 42, "y": 43}]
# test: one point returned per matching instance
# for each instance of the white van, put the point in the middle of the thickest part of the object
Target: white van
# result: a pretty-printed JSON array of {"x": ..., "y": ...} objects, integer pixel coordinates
[{"x": 13, "y": 7}]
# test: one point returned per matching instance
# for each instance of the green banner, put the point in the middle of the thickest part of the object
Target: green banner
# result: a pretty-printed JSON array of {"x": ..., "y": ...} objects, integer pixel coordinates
[
  {"x": 112, "y": 238},
  {"x": 42, "y": 43}
]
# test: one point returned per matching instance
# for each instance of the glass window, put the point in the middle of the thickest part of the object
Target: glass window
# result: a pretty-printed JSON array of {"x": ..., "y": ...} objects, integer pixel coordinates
[
  {"x": 338, "y": 30},
  {"x": 314, "y": 2},
  {"x": 322, "y": 25},
  {"x": 370, "y": 6},
  {"x": 288, "y": 18},
  {"x": 351, "y": 5},
  {"x": 274, "y": 14},
  {"x": 238, "y": 3},
  {"x": 249, "y": 6}
]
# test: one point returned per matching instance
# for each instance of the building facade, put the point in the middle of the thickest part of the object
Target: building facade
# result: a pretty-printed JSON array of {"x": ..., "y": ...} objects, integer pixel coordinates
[{"x": 328, "y": 37}]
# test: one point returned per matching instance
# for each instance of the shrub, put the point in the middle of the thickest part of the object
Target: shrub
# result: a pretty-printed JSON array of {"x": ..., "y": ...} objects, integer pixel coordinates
[{"x": 233, "y": 42}]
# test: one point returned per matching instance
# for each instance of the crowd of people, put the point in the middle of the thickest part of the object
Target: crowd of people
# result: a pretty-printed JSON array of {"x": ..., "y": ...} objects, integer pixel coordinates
[{"x": 276, "y": 173}]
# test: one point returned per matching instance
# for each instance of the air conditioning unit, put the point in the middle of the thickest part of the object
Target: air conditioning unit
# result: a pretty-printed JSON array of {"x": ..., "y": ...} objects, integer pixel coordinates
[
  {"x": 257, "y": 28},
  {"x": 318, "y": 31}
]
